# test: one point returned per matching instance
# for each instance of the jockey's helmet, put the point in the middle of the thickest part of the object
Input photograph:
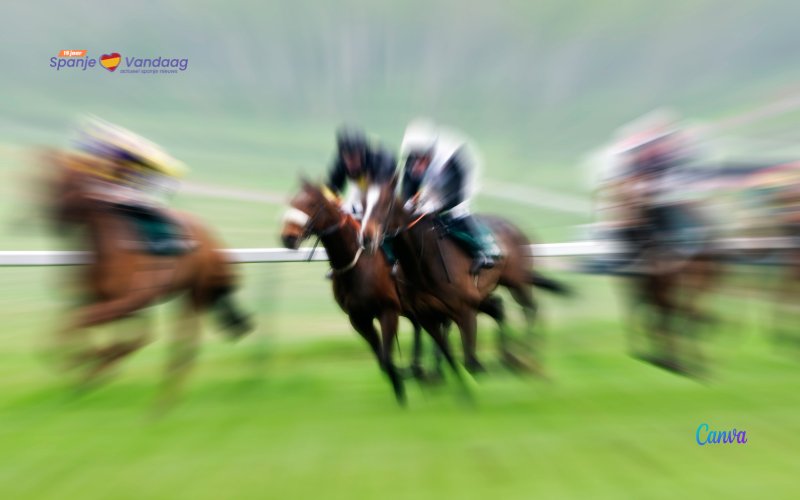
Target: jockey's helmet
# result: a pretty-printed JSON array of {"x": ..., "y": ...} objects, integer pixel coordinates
[
  {"x": 351, "y": 140},
  {"x": 419, "y": 139},
  {"x": 106, "y": 140}
]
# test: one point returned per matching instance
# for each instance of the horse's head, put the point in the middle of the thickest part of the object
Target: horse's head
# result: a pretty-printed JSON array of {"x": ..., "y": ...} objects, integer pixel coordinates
[
  {"x": 379, "y": 213},
  {"x": 310, "y": 213}
]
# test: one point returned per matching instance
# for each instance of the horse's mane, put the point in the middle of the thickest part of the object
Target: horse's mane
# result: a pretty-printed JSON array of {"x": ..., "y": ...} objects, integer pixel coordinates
[{"x": 80, "y": 165}]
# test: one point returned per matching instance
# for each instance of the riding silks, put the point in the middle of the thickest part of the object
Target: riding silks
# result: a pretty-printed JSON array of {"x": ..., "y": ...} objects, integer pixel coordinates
[
  {"x": 159, "y": 234},
  {"x": 473, "y": 235}
]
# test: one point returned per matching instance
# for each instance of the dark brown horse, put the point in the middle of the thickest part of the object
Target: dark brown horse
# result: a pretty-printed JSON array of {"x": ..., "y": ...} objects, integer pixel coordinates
[
  {"x": 123, "y": 278},
  {"x": 362, "y": 283},
  {"x": 667, "y": 290},
  {"x": 438, "y": 283}
]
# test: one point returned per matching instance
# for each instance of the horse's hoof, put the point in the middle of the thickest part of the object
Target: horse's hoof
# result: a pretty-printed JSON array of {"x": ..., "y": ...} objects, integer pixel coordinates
[
  {"x": 514, "y": 363},
  {"x": 474, "y": 367},
  {"x": 669, "y": 364},
  {"x": 239, "y": 327},
  {"x": 413, "y": 372}
]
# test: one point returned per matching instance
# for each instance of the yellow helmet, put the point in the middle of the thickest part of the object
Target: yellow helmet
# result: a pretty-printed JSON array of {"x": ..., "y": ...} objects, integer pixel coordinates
[{"x": 105, "y": 139}]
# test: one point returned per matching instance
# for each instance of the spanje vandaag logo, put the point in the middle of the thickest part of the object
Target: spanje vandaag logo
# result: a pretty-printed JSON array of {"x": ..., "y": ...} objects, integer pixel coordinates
[
  {"x": 79, "y": 60},
  {"x": 110, "y": 61}
]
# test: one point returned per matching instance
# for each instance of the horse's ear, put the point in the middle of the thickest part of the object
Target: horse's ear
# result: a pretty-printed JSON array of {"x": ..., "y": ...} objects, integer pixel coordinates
[{"x": 305, "y": 183}]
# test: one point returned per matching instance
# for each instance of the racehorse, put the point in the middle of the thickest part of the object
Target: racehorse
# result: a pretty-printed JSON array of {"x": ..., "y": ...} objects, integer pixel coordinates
[
  {"x": 668, "y": 284},
  {"x": 362, "y": 283},
  {"x": 438, "y": 282},
  {"x": 123, "y": 278}
]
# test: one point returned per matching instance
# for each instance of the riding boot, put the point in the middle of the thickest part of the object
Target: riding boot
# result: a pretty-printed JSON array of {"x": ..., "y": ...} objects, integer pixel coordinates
[
  {"x": 387, "y": 245},
  {"x": 479, "y": 242}
]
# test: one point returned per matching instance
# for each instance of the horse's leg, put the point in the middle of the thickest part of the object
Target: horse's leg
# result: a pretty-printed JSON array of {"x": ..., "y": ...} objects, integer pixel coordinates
[
  {"x": 388, "y": 321},
  {"x": 438, "y": 356},
  {"x": 183, "y": 351},
  {"x": 435, "y": 329},
  {"x": 363, "y": 325},
  {"x": 493, "y": 307},
  {"x": 108, "y": 356},
  {"x": 105, "y": 312},
  {"x": 638, "y": 312},
  {"x": 657, "y": 292},
  {"x": 700, "y": 281},
  {"x": 523, "y": 295},
  {"x": 665, "y": 335},
  {"x": 468, "y": 326},
  {"x": 784, "y": 311},
  {"x": 74, "y": 336},
  {"x": 416, "y": 363}
]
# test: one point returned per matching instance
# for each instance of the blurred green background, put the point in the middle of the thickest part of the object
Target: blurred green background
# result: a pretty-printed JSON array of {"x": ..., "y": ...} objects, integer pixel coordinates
[{"x": 299, "y": 408}]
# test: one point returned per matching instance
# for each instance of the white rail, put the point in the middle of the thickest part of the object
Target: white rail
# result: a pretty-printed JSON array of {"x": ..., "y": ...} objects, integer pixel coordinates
[{"x": 256, "y": 255}]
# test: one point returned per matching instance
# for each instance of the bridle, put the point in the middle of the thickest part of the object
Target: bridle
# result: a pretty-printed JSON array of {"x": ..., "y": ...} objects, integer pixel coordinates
[{"x": 308, "y": 231}]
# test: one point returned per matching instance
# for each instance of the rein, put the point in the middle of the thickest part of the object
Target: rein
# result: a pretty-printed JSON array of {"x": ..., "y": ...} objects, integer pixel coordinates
[
  {"x": 329, "y": 231},
  {"x": 439, "y": 252},
  {"x": 351, "y": 265}
]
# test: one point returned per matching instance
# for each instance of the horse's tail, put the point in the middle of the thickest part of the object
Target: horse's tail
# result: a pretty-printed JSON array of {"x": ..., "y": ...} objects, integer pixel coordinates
[
  {"x": 538, "y": 280},
  {"x": 232, "y": 319}
]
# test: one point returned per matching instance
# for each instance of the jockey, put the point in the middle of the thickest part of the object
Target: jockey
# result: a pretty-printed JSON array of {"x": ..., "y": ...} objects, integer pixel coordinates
[
  {"x": 360, "y": 162},
  {"x": 648, "y": 201},
  {"x": 137, "y": 178},
  {"x": 651, "y": 168},
  {"x": 438, "y": 178}
]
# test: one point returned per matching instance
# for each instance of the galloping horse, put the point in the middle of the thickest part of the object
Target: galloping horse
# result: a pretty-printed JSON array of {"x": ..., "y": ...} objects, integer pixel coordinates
[
  {"x": 123, "y": 278},
  {"x": 362, "y": 283},
  {"x": 438, "y": 282},
  {"x": 669, "y": 286}
]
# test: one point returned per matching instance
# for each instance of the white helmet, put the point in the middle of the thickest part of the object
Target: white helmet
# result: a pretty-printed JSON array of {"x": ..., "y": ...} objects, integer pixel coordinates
[{"x": 420, "y": 137}]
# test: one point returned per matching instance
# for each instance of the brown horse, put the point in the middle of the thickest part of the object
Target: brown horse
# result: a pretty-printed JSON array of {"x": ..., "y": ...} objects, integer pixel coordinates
[
  {"x": 438, "y": 283},
  {"x": 667, "y": 290},
  {"x": 362, "y": 283},
  {"x": 122, "y": 278}
]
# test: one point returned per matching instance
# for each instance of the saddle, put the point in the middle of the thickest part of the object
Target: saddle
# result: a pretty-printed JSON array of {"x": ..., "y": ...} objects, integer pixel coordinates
[{"x": 158, "y": 233}]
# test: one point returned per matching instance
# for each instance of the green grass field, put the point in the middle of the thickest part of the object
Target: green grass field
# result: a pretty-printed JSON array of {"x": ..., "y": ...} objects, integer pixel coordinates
[{"x": 300, "y": 410}]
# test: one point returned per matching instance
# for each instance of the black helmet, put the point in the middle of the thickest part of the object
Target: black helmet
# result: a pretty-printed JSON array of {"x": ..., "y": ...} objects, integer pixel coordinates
[{"x": 351, "y": 139}]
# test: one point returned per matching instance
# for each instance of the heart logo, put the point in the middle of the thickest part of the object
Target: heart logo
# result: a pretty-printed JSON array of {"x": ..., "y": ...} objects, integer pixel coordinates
[{"x": 110, "y": 61}]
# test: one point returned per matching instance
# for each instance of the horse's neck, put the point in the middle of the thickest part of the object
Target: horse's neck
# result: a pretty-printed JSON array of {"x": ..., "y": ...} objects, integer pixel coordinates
[
  {"x": 341, "y": 245},
  {"x": 415, "y": 251},
  {"x": 103, "y": 230}
]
